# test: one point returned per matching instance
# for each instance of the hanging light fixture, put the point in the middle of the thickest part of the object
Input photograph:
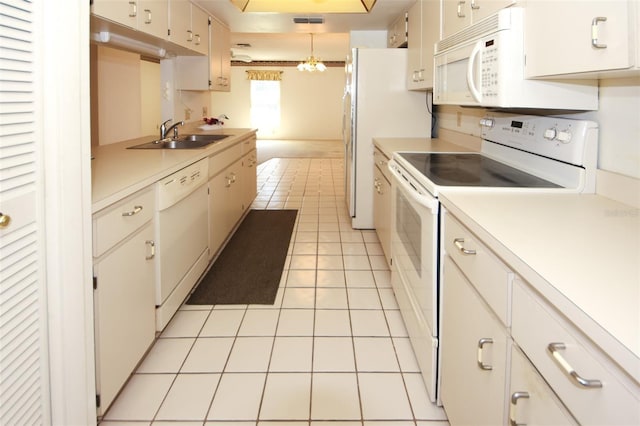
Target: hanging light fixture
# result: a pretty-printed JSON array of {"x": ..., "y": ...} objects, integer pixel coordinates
[{"x": 312, "y": 63}]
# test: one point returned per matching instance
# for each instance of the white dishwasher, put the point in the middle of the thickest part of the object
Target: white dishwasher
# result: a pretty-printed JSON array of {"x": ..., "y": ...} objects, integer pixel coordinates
[{"x": 181, "y": 237}]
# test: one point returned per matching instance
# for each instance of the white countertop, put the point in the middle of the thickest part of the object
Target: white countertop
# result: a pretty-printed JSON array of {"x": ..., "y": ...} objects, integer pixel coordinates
[
  {"x": 581, "y": 252},
  {"x": 117, "y": 172}
]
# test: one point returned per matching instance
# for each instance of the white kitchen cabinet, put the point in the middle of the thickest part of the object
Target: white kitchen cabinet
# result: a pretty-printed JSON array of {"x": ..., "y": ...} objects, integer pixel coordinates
[
  {"x": 475, "y": 351},
  {"x": 382, "y": 202},
  {"x": 531, "y": 400},
  {"x": 249, "y": 173},
  {"x": 397, "y": 32},
  {"x": 124, "y": 293},
  {"x": 148, "y": 16},
  {"x": 189, "y": 26},
  {"x": 459, "y": 14},
  {"x": 232, "y": 188},
  {"x": 423, "y": 33},
  {"x": 591, "y": 386},
  {"x": 220, "y": 57},
  {"x": 593, "y": 39},
  {"x": 212, "y": 72}
]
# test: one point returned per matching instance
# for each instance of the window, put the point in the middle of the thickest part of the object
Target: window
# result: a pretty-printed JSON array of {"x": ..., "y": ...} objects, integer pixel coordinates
[{"x": 265, "y": 105}]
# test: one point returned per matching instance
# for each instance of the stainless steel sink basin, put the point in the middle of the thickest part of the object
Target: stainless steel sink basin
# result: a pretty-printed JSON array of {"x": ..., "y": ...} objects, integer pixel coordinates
[{"x": 182, "y": 142}]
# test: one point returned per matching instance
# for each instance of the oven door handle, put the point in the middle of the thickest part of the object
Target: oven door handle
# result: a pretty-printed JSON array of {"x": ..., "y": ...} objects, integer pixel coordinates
[{"x": 427, "y": 201}]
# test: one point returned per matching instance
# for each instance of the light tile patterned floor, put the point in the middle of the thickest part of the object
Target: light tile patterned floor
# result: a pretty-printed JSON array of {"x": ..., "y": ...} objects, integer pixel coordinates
[{"x": 333, "y": 348}]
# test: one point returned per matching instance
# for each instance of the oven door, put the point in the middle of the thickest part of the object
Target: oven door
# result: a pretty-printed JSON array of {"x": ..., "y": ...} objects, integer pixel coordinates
[{"x": 414, "y": 248}]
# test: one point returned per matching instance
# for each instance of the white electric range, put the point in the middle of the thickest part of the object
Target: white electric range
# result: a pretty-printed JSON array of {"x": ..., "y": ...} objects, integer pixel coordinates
[{"x": 522, "y": 153}]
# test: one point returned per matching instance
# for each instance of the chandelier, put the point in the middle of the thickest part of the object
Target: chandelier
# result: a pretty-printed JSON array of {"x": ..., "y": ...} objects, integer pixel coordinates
[{"x": 312, "y": 63}]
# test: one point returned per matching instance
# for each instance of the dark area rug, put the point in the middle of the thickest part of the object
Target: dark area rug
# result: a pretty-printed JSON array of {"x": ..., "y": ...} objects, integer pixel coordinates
[{"x": 249, "y": 268}]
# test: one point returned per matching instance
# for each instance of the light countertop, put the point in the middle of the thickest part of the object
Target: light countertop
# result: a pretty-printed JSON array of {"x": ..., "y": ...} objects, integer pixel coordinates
[
  {"x": 117, "y": 172},
  {"x": 580, "y": 251}
]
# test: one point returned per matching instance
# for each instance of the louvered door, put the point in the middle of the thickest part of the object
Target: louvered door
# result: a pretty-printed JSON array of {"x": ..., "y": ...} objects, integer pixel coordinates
[{"x": 23, "y": 364}]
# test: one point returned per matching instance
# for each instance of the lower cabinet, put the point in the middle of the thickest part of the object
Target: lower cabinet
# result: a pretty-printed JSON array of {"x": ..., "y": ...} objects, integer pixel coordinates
[
  {"x": 531, "y": 400},
  {"x": 225, "y": 204},
  {"x": 124, "y": 312},
  {"x": 474, "y": 355},
  {"x": 232, "y": 189},
  {"x": 382, "y": 202},
  {"x": 508, "y": 356}
]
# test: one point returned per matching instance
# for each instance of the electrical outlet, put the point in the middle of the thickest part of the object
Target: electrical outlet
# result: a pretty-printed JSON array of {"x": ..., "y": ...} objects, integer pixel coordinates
[
  {"x": 205, "y": 111},
  {"x": 187, "y": 114}
]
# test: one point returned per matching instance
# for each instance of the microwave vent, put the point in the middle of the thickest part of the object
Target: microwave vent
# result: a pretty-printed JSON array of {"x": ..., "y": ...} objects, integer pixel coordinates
[{"x": 496, "y": 22}]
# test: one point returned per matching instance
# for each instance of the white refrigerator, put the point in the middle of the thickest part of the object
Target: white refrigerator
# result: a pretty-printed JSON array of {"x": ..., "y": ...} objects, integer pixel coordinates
[{"x": 376, "y": 104}]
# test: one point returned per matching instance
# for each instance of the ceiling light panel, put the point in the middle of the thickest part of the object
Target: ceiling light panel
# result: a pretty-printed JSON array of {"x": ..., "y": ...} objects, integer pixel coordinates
[{"x": 305, "y": 6}]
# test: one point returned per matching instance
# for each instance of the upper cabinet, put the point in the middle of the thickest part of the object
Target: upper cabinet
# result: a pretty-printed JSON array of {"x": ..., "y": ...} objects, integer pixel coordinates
[
  {"x": 149, "y": 16},
  {"x": 212, "y": 72},
  {"x": 220, "y": 57},
  {"x": 599, "y": 38},
  {"x": 397, "y": 32},
  {"x": 459, "y": 14},
  {"x": 423, "y": 33},
  {"x": 189, "y": 26}
]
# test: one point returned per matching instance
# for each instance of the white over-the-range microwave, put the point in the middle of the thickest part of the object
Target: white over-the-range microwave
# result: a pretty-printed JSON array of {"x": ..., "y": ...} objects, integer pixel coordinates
[{"x": 483, "y": 65}]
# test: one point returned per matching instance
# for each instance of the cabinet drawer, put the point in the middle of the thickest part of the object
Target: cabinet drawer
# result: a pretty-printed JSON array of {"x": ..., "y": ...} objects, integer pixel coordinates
[
  {"x": 221, "y": 160},
  {"x": 114, "y": 223},
  {"x": 381, "y": 162},
  {"x": 488, "y": 274},
  {"x": 248, "y": 145},
  {"x": 536, "y": 326}
]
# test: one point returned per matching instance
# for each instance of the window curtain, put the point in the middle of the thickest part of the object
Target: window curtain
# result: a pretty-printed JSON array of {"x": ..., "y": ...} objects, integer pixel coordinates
[{"x": 264, "y": 75}]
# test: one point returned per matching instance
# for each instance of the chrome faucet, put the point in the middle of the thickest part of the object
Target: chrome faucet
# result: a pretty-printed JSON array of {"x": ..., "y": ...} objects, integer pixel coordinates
[{"x": 164, "y": 130}]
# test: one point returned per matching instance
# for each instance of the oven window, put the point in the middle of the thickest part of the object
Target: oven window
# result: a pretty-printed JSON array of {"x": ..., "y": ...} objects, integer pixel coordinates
[{"x": 408, "y": 228}]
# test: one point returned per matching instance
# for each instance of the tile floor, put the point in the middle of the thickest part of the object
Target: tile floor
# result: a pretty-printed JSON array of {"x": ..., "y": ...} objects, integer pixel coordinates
[{"x": 333, "y": 348}]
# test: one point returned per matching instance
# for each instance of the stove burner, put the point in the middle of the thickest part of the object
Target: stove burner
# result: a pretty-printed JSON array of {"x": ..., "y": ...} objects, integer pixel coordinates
[{"x": 471, "y": 169}]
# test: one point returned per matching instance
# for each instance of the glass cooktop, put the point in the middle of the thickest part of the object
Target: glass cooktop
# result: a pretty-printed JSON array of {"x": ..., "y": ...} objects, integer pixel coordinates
[{"x": 471, "y": 169}]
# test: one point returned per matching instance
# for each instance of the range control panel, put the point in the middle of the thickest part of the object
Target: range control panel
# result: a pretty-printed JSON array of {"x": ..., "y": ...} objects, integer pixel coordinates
[{"x": 562, "y": 139}]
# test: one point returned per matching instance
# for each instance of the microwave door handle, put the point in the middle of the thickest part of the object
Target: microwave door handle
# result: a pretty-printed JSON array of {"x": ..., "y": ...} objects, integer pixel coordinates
[{"x": 472, "y": 62}]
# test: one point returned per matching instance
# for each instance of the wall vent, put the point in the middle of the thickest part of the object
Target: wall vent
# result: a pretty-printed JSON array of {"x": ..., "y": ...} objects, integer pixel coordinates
[{"x": 309, "y": 20}]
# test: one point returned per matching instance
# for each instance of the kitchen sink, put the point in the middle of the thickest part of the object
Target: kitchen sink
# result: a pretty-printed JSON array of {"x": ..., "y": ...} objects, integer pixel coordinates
[{"x": 182, "y": 142}]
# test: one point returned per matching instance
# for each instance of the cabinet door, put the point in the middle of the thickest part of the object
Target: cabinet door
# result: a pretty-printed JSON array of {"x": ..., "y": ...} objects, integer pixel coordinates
[
  {"x": 124, "y": 12},
  {"x": 483, "y": 8},
  {"x": 382, "y": 211},
  {"x": 124, "y": 311},
  {"x": 219, "y": 210},
  {"x": 249, "y": 176},
  {"x": 474, "y": 354},
  {"x": 456, "y": 15},
  {"x": 200, "y": 28},
  {"x": 430, "y": 36},
  {"x": 414, "y": 46},
  {"x": 220, "y": 57},
  {"x": 574, "y": 23},
  {"x": 153, "y": 17},
  {"x": 531, "y": 400},
  {"x": 180, "y": 23}
]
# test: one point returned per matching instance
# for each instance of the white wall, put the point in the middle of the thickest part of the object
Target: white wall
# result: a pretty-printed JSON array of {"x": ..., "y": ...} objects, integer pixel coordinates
[
  {"x": 618, "y": 118},
  {"x": 150, "y": 97},
  {"x": 118, "y": 86},
  {"x": 311, "y": 103}
]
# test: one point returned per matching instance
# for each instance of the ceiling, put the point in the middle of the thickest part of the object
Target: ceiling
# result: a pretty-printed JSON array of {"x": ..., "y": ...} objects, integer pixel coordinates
[{"x": 274, "y": 36}]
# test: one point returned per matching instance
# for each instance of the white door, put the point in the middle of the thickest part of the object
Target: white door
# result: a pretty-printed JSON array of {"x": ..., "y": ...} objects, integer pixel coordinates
[{"x": 23, "y": 310}]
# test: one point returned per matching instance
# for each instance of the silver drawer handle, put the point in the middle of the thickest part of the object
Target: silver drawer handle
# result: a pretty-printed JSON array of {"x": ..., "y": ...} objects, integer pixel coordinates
[
  {"x": 594, "y": 32},
  {"x": 512, "y": 408},
  {"x": 148, "y": 20},
  {"x": 136, "y": 210},
  {"x": 152, "y": 245},
  {"x": 481, "y": 343},
  {"x": 133, "y": 9},
  {"x": 553, "y": 349},
  {"x": 458, "y": 243}
]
